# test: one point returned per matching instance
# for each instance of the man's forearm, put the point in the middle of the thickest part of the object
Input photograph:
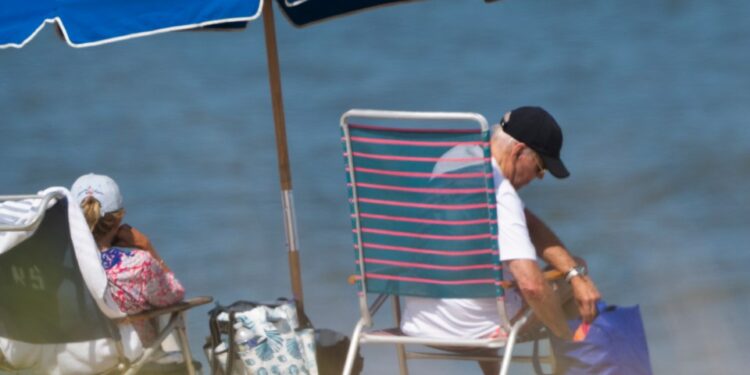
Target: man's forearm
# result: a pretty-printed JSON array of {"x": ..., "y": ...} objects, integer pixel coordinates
[
  {"x": 539, "y": 295},
  {"x": 551, "y": 249}
]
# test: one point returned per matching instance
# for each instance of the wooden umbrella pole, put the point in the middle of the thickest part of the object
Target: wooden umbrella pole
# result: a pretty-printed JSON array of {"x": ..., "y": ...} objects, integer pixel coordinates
[
  {"x": 277, "y": 100},
  {"x": 290, "y": 225}
]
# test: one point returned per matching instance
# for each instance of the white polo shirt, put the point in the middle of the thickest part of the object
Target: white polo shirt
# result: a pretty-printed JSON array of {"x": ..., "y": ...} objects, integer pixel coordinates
[{"x": 475, "y": 318}]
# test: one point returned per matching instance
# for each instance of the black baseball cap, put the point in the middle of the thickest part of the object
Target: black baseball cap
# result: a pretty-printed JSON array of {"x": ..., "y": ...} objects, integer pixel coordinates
[{"x": 538, "y": 129}]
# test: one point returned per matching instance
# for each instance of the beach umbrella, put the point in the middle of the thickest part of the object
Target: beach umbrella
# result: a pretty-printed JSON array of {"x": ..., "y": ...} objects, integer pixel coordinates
[{"x": 86, "y": 23}]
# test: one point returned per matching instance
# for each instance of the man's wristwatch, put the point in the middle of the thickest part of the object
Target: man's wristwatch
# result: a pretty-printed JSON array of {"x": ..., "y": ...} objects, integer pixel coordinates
[{"x": 576, "y": 271}]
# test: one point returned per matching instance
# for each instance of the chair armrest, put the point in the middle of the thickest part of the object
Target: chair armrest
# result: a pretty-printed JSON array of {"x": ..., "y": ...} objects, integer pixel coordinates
[
  {"x": 177, "y": 307},
  {"x": 351, "y": 279},
  {"x": 550, "y": 275}
]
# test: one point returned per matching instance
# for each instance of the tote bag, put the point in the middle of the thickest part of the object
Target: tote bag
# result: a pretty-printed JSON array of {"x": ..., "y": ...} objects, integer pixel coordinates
[
  {"x": 615, "y": 345},
  {"x": 252, "y": 338}
]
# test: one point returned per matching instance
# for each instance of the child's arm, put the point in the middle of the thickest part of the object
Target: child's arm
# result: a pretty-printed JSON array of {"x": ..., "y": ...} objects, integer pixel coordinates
[{"x": 128, "y": 236}]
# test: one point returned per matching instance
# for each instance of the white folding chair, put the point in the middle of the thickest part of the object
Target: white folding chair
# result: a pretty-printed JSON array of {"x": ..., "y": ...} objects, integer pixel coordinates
[{"x": 53, "y": 313}]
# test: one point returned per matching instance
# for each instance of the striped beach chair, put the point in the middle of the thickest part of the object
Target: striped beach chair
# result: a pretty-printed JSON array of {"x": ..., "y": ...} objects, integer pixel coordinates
[{"x": 424, "y": 220}]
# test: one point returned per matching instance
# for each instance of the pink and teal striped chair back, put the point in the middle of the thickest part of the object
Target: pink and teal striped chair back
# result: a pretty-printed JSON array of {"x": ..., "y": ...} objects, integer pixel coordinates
[{"x": 422, "y": 206}]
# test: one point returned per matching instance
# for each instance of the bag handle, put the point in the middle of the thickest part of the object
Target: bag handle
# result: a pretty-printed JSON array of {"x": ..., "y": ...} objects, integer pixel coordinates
[
  {"x": 216, "y": 340},
  {"x": 535, "y": 358},
  {"x": 232, "y": 354},
  {"x": 213, "y": 326}
]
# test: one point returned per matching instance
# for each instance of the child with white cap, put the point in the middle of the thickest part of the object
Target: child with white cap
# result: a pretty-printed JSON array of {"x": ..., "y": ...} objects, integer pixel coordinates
[
  {"x": 138, "y": 278},
  {"x": 107, "y": 194}
]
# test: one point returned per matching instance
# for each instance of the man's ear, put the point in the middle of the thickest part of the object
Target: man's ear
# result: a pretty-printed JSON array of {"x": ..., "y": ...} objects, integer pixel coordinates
[{"x": 517, "y": 150}]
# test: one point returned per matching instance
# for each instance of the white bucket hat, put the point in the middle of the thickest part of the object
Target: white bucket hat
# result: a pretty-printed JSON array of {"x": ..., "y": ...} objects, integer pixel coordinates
[{"x": 102, "y": 188}]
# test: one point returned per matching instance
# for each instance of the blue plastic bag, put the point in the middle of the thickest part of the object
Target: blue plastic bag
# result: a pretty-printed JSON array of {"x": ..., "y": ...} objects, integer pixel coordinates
[{"x": 615, "y": 345}]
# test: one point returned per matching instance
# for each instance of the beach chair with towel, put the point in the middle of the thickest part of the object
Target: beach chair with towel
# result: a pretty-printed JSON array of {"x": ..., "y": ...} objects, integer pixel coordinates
[
  {"x": 424, "y": 222},
  {"x": 55, "y": 313}
]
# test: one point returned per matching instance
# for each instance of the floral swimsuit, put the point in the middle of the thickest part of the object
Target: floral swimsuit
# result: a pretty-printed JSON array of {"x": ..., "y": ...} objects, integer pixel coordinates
[{"x": 137, "y": 283}]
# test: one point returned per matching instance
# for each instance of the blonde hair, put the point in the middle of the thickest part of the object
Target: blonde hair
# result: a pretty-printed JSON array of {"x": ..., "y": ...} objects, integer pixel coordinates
[{"x": 100, "y": 225}]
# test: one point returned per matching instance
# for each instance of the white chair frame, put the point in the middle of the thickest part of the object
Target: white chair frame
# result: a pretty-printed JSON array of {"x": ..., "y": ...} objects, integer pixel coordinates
[{"x": 362, "y": 333}]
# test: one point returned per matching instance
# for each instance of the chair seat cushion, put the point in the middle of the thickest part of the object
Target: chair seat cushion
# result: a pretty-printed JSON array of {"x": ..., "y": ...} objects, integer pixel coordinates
[{"x": 395, "y": 335}]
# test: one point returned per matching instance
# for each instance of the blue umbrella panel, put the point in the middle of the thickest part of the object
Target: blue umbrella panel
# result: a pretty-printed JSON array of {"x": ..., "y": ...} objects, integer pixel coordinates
[{"x": 85, "y": 23}]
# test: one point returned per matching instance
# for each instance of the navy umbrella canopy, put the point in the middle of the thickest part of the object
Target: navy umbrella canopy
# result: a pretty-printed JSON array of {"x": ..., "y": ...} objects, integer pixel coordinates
[
  {"x": 303, "y": 12},
  {"x": 86, "y": 23}
]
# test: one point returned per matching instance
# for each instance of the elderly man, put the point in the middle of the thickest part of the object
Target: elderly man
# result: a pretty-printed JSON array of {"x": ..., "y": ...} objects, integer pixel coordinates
[{"x": 525, "y": 145}]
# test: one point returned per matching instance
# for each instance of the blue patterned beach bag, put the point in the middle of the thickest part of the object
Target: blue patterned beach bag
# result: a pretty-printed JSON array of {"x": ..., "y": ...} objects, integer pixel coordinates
[
  {"x": 263, "y": 339},
  {"x": 614, "y": 345}
]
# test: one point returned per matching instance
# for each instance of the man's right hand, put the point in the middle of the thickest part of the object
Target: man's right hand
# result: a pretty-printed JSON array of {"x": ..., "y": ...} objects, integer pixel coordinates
[{"x": 538, "y": 293}]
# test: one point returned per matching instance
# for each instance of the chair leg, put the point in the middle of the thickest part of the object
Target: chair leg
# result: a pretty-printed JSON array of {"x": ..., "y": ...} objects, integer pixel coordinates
[
  {"x": 508, "y": 353},
  {"x": 353, "y": 345},
  {"x": 187, "y": 355},
  {"x": 400, "y": 349},
  {"x": 147, "y": 353},
  {"x": 402, "y": 367}
]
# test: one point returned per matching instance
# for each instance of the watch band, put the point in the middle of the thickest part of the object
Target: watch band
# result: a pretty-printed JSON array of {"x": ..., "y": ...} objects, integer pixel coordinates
[{"x": 575, "y": 271}]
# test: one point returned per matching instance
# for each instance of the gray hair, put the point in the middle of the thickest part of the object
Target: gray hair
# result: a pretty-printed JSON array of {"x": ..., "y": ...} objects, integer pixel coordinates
[{"x": 501, "y": 138}]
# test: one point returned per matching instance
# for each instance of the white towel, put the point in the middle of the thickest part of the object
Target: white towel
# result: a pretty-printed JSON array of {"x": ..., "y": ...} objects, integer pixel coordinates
[{"x": 16, "y": 213}]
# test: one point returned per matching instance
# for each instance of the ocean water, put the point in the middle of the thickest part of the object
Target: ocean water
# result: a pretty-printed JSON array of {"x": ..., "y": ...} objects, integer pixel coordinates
[{"x": 653, "y": 97}]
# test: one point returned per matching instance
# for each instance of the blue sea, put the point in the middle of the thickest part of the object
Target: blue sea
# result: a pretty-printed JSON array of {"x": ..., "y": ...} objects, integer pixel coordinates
[{"x": 653, "y": 97}]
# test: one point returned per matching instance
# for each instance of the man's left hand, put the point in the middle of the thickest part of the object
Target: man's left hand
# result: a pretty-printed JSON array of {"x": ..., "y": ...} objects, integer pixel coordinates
[{"x": 586, "y": 296}]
